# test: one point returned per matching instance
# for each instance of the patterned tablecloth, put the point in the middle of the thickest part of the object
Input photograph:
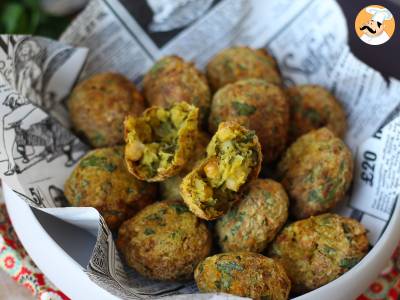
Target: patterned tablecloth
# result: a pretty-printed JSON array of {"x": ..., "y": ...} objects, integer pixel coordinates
[{"x": 16, "y": 262}]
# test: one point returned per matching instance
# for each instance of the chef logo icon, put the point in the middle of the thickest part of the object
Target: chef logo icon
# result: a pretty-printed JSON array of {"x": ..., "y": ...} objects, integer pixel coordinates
[{"x": 375, "y": 25}]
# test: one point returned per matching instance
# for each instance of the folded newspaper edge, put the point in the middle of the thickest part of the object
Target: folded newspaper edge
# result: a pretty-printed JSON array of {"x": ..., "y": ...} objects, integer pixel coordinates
[{"x": 36, "y": 76}]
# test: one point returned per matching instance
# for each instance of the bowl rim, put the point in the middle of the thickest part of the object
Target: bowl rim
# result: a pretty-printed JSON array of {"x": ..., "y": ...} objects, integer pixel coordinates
[{"x": 61, "y": 269}]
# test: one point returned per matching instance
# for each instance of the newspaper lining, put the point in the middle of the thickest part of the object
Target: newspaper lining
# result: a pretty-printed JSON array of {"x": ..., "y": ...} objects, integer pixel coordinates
[{"x": 36, "y": 75}]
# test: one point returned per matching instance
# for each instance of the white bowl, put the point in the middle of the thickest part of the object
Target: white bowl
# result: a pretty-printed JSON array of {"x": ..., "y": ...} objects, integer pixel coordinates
[
  {"x": 63, "y": 262},
  {"x": 65, "y": 272}
]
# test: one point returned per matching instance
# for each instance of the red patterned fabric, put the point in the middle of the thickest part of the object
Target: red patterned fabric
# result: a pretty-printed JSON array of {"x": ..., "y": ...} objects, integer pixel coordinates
[
  {"x": 16, "y": 262},
  {"x": 387, "y": 285}
]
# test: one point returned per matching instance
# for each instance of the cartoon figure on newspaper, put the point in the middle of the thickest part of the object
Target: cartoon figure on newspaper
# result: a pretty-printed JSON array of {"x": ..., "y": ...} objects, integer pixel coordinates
[
  {"x": 374, "y": 30},
  {"x": 25, "y": 125},
  {"x": 29, "y": 73}
]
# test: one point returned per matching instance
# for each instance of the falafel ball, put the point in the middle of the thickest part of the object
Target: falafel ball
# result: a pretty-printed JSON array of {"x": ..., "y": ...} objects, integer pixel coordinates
[
  {"x": 160, "y": 142},
  {"x": 319, "y": 249},
  {"x": 101, "y": 180},
  {"x": 173, "y": 80},
  {"x": 253, "y": 223},
  {"x": 244, "y": 274},
  {"x": 233, "y": 159},
  {"x": 164, "y": 241},
  {"x": 259, "y": 106},
  {"x": 316, "y": 171},
  {"x": 236, "y": 63},
  {"x": 169, "y": 188},
  {"x": 99, "y": 105},
  {"x": 313, "y": 107}
]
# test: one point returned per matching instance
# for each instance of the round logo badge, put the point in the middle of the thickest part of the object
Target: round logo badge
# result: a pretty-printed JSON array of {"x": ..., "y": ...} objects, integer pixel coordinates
[{"x": 375, "y": 25}]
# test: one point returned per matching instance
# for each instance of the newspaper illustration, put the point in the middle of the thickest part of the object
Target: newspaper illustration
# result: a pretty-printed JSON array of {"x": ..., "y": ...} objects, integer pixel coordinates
[
  {"x": 38, "y": 152},
  {"x": 36, "y": 76}
]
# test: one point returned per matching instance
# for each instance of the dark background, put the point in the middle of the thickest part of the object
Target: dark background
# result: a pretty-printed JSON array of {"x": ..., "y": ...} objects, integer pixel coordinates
[
  {"x": 26, "y": 17},
  {"x": 384, "y": 58},
  {"x": 144, "y": 15}
]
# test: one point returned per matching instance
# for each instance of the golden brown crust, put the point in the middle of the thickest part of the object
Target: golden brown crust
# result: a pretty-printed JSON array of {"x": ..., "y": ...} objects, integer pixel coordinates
[
  {"x": 319, "y": 249},
  {"x": 173, "y": 80},
  {"x": 313, "y": 107},
  {"x": 257, "y": 105},
  {"x": 164, "y": 241},
  {"x": 100, "y": 180},
  {"x": 99, "y": 105},
  {"x": 253, "y": 223},
  {"x": 316, "y": 172},
  {"x": 243, "y": 274},
  {"x": 160, "y": 143},
  {"x": 236, "y": 63},
  {"x": 233, "y": 159}
]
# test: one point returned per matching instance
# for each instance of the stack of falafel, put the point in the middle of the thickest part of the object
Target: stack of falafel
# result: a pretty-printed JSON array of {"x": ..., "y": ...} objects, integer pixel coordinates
[{"x": 180, "y": 180}]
